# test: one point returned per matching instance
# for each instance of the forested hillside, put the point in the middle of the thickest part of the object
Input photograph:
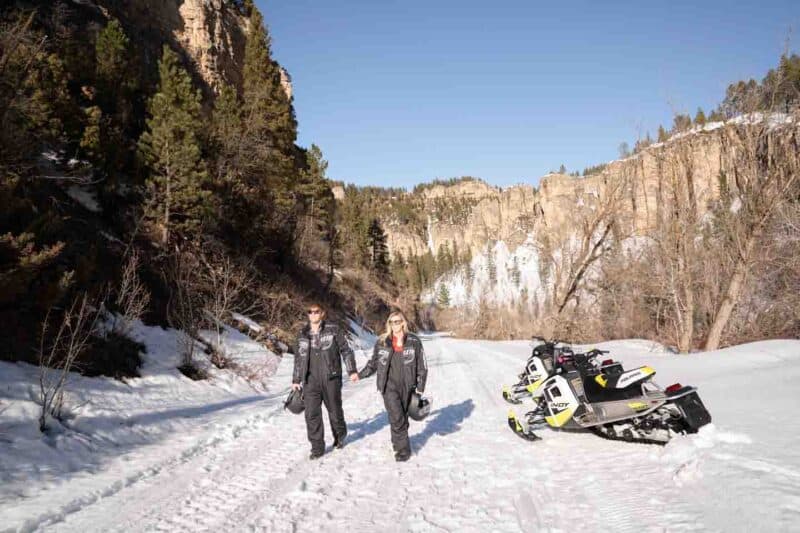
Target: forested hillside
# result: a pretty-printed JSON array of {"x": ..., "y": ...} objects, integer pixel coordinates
[{"x": 146, "y": 175}]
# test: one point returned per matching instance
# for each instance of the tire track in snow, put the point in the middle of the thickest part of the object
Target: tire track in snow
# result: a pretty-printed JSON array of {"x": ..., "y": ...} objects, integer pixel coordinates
[
  {"x": 200, "y": 494},
  {"x": 468, "y": 473}
]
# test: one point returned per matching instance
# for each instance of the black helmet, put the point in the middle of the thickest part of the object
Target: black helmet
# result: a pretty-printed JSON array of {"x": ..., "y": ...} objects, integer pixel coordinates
[
  {"x": 294, "y": 402},
  {"x": 419, "y": 407}
]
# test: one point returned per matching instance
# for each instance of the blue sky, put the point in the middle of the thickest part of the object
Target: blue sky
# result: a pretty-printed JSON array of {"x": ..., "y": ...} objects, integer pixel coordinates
[{"x": 400, "y": 92}]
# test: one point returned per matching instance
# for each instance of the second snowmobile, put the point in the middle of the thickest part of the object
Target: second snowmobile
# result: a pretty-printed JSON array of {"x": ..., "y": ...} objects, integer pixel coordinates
[
  {"x": 540, "y": 365},
  {"x": 613, "y": 403}
]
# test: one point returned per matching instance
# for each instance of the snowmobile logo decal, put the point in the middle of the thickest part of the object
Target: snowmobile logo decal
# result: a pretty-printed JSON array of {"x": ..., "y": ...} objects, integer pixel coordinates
[{"x": 635, "y": 375}]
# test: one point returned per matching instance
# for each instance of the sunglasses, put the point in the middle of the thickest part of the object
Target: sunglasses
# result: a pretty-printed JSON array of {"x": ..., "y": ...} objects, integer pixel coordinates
[
  {"x": 314, "y": 311},
  {"x": 395, "y": 322}
]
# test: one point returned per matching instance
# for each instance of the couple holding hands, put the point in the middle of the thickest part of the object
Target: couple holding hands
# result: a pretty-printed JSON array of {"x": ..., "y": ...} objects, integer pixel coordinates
[{"x": 398, "y": 358}]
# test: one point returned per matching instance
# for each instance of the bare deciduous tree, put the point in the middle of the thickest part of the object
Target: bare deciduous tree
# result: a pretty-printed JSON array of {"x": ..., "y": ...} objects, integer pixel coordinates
[
  {"x": 571, "y": 256},
  {"x": 229, "y": 287},
  {"x": 58, "y": 353},
  {"x": 762, "y": 173},
  {"x": 184, "y": 307},
  {"x": 132, "y": 296}
]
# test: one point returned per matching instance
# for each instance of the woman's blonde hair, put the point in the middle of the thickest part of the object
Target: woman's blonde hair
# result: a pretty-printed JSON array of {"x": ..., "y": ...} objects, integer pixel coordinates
[{"x": 388, "y": 333}]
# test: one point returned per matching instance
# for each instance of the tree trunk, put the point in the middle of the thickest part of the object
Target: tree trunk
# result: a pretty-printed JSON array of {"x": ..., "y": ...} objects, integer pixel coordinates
[
  {"x": 687, "y": 326},
  {"x": 167, "y": 197},
  {"x": 732, "y": 294}
]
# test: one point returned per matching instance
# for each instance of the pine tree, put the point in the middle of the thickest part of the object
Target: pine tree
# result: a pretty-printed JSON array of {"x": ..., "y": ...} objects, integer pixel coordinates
[
  {"x": 117, "y": 80},
  {"x": 700, "y": 117},
  {"x": 662, "y": 134},
  {"x": 113, "y": 67},
  {"x": 379, "y": 251},
  {"x": 443, "y": 296},
  {"x": 562, "y": 169},
  {"x": 226, "y": 123},
  {"x": 269, "y": 132},
  {"x": 176, "y": 199}
]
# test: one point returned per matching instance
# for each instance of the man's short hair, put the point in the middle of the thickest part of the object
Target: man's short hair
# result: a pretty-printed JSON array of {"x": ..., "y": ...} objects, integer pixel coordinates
[{"x": 316, "y": 304}]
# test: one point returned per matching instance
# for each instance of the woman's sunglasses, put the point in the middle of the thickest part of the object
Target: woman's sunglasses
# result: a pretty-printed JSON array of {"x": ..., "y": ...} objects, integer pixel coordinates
[{"x": 395, "y": 322}]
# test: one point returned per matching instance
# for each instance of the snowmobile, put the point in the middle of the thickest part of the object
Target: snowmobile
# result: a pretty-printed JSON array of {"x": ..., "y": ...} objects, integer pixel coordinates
[
  {"x": 540, "y": 365},
  {"x": 545, "y": 360},
  {"x": 613, "y": 403}
]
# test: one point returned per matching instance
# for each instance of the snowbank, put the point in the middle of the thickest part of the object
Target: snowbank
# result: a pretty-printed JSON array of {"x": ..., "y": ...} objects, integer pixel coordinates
[{"x": 105, "y": 418}]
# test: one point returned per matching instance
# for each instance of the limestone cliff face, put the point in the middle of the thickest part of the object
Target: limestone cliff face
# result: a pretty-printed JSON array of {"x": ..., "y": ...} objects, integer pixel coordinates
[
  {"x": 213, "y": 34},
  {"x": 516, "y": 213}
]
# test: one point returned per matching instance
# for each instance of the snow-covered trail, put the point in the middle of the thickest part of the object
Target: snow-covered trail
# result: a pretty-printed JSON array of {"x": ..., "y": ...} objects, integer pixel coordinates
[{"x": 469, "y": 472}]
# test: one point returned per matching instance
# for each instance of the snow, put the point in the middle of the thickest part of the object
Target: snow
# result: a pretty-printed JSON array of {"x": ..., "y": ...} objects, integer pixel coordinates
[
  {"x": 247, "y": 358},
  {"x": 110, "y": 427},
  {"x": 85, "y": 197},
  {"x": 164, "y": 453},
  {"x": 505, "y": 290},
  {"x": 251, "y": 324}
]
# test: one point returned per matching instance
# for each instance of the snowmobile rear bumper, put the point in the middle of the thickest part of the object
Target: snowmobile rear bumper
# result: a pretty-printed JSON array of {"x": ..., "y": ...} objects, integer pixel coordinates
[{"x": 695, "y": 414}]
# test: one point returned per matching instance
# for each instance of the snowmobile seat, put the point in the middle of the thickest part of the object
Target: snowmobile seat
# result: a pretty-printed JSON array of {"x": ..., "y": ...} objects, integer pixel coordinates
[
  {"x": 625, "y": 379},
  {"x": 596, "y": 393}
]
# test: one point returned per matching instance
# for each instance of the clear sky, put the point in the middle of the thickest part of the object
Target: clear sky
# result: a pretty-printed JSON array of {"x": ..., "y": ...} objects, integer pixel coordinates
[{"x": 400, "y": 92}]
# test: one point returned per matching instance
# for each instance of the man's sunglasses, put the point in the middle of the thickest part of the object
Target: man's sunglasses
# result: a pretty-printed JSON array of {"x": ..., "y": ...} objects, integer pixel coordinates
[{"x": 314, "y": 311}]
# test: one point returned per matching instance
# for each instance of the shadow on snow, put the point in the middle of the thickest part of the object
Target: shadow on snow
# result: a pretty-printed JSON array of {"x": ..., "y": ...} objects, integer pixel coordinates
[{"x": 440, "y": 422}]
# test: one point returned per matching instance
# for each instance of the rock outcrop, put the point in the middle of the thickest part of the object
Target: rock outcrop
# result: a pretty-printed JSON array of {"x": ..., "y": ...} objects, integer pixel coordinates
[
  {"x": 513, "y": 214},
  {"x": 212, "y": 33}
]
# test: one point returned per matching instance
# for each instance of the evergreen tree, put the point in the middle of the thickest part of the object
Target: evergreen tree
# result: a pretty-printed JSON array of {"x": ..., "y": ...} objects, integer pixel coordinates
[
  {"x": 226, "y": 124},
  {"x": 379, "y": 251},
  {"x": 662, "y": 134},
  {"x": 113, "y": 122},
  {"x": 176, "y": 199},
  {"x": 443, "y": 296},
  {"x": 113, "y": 68},
  {"x": 700, "y": 117},
  {"x": 267, "y": 174},
  {"x": 562, "y": 169}
]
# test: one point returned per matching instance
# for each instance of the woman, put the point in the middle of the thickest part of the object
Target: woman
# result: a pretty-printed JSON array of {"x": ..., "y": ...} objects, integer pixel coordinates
[{"x": 399, "y": 359}]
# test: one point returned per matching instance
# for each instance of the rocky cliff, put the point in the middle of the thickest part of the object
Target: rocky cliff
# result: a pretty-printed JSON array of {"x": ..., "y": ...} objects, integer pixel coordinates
[
  {"x": 484, "y": 213},
  {"x": 212, "y": 33}
]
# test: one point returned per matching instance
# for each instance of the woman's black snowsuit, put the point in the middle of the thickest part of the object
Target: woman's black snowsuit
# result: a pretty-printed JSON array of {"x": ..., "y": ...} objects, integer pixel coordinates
[{"x": 399, "y": 373}]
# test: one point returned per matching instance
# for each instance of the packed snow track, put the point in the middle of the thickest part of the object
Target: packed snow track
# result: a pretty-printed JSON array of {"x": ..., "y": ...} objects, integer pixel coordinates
[{"x": 469, "y": 472}]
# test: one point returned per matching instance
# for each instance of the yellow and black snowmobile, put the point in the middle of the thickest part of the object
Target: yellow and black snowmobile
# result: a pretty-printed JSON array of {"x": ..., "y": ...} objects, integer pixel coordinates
[
  {"x": 583, "y": 394},
  {"x": 540, "y": 365}
]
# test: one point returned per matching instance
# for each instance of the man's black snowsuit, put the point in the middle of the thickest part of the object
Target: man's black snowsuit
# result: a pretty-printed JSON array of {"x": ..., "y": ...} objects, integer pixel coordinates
[
  {"x": 399, "y": 373},
  {"x": 318, "y": 367}
]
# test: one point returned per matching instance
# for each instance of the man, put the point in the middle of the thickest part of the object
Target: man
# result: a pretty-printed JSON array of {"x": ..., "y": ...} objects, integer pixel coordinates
[{"x": 318, "y": 371}]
